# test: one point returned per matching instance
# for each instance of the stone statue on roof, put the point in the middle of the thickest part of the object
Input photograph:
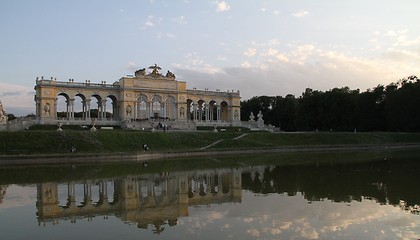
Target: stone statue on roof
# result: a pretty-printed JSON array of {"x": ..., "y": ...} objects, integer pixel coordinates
[
  {"x": 170, "y": 75},
  {"x": 155, "y": 72},
  {"x": 140, "y": 72}
]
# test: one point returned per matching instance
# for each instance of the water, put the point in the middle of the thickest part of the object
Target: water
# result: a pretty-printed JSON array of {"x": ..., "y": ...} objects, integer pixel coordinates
[{"x": 324, "y": 199}]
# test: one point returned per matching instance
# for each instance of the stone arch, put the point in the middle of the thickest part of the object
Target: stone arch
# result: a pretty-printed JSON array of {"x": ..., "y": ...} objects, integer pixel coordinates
[
  {"x": 96, "y": 112},
  {"x": 181, "y": 112},
  {"x": 142, "y": 107},
  {"x": 157, "y": 106},
  {"x": 224, "y": 111},
  {"x": 61, "y": 109},
  {"x": 190, "y": 109},
  {"x": 79, "y": 107},
  {"x": 111, "y": 107},
  {"x": 201, "y": 110},
  {"x": 212, "y": 110},
  {"x": 170, "y": 107}
]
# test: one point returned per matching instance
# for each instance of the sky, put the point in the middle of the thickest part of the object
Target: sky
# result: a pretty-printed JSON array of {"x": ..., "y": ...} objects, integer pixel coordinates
[{"x": 273, "y": 48}]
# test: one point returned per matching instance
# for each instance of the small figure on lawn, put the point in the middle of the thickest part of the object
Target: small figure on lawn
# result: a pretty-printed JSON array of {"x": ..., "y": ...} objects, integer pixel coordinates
[
  {"x": 73, "y": 149},
  {"x": 145, "y": 147}
]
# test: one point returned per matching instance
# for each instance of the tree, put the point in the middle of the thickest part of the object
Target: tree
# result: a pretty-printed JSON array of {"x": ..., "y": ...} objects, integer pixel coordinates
[
  {"x": 284, "y": 112},
  {"x": 10, "y": 116},
  {"x": 402, "y": 105},
  {"x": 395, "y": 107}
]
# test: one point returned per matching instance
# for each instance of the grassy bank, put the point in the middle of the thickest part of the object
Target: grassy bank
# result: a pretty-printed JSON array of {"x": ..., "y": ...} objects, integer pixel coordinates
[
  {"x": 112, "y": 141},
  {"x": 68, "y": 172}
]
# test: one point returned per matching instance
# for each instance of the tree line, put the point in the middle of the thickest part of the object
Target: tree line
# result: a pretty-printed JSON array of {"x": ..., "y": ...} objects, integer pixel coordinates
[{"x": 395, "y": 107}]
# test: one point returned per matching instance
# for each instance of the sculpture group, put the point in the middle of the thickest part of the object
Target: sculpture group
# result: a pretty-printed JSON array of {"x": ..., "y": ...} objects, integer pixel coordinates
[
  {"x": 3, "y": 115},
  {"x": 155, "y": 72}
]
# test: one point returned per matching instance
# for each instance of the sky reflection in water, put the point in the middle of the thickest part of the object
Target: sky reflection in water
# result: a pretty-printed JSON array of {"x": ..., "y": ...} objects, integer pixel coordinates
[{"x": 269, "y": 211}]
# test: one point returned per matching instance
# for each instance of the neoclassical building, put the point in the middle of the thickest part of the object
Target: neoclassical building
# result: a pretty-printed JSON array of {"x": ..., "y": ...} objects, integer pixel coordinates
[{"x": 136, "y": 101}]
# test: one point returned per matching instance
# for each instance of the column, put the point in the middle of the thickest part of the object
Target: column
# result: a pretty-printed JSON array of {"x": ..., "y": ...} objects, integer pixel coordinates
[
  {"x": 194, "y": 112},
  {"x": 150, "y": 109},
  {"x": 103, "y": 193},
  {"x": 218, "y": 113},
  {"x": 99, "y": 109},
  {"x": 67, "y": 109},
  {"x": 200, "y": 112},
  {"x": 104, "y": 108},
  {"x": 135, "y": 110},
  {"x": 71, "y": 195},
  {"x": 37, "y": 111},
  {"x": 176, "y": 113},
  {"x": 87, "y": 191},
  {"x": 87, "y": 108},
  {"x": 83, "y": 109},
  {"x": 162, "y": 110},
  {"x": 72, "y": 108},
  {"x": 114, "y": 111}
]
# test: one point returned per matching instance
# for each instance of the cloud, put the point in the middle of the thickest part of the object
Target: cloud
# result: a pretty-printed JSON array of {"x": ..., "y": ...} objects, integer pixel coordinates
[
  {"x": 165, "y": 35},
  {"x": 17, "y": 99},
  {"x": 131, "y": 66},
  {"x": 180, "y": 20},
  {"x": 250, "y": 52},
  {"x": 269, "y": 43},
  {"x": 13, "y": 93},
  {"x": 253, "y": 232},
  {"x": 270, "y": 52},
  {"x": 150, "y": 22},
  {"x": 193, "y": 63},
  {"x": 18, "y": 196},
  {"x": 300, "y": 14},
  {"x": 276, "y": 69},
  {"x": 222, "y": 6}
]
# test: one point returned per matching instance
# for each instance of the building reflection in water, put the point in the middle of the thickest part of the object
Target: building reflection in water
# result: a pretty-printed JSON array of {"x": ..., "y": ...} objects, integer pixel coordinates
[
  {"x": 154, "y": 199},
  {"x": 161, "y": 199}
]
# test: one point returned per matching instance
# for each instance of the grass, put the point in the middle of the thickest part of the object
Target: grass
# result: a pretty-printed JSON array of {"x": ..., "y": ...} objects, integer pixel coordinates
[
  {"x": 63, "y": 173},
  {"x": 267, "y": 140},
  {"x": 35, "y": 142}
]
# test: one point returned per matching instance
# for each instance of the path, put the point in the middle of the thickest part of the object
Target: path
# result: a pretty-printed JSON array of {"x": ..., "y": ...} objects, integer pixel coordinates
[
  {"x": 238, "y": 137},
  {"x": 211, "y": 144},
  {"x": 241, "y": 136}
]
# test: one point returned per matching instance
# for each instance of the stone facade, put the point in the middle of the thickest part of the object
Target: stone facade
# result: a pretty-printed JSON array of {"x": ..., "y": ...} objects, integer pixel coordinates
[{"x": 137, "y": 100}]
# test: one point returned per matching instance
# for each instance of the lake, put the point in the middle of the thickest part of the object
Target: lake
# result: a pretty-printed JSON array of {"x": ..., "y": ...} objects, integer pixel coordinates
[{"x": 288, "y": 196}]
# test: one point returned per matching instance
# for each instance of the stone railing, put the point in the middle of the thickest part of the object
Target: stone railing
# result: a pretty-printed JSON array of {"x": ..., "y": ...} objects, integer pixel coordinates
[
  {"x": 87, "y": 84},
  {"x": 213, "y": 93},
  {"x": 18, "y": 124}
]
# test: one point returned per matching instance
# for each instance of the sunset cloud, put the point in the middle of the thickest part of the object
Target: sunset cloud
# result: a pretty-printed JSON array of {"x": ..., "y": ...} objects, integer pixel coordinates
[
  {"x": 222, "y": 6},
  {"x": 300, "y": 14}
]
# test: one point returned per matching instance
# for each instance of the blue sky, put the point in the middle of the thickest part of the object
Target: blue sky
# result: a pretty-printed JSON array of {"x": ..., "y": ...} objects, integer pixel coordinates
[{"x": 258, "y": 47}]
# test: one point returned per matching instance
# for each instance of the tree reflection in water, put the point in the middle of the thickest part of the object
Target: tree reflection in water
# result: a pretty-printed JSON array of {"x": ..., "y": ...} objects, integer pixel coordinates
[{"x": 160, "y": 201}]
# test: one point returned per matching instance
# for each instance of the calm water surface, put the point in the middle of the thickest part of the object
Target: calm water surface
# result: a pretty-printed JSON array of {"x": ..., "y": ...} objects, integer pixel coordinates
[{"x": 329, "y": 200}]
